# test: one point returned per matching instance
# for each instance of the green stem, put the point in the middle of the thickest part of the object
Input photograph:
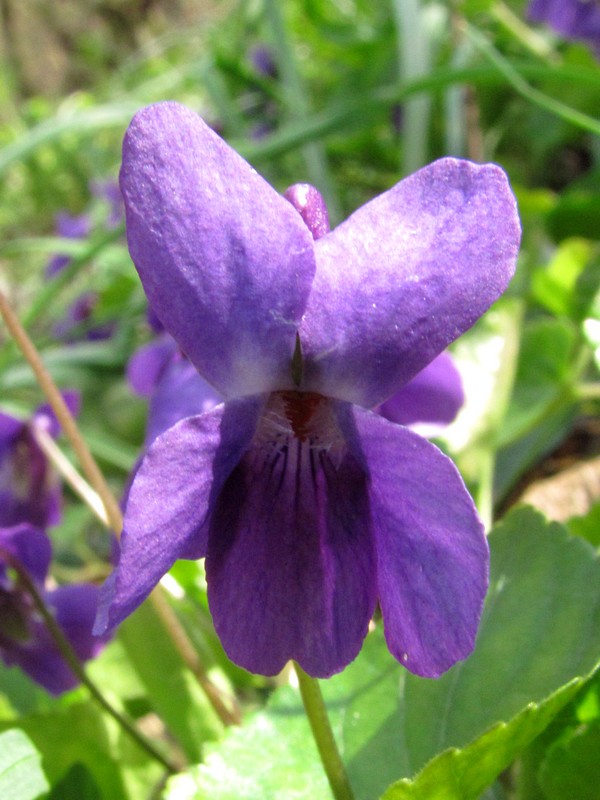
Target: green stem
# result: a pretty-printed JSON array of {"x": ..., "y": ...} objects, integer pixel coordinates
[
  {"x": 323, "y": 734},
  {"x": 297, "y": 100},
  {"x": 113, "y": 513},
  {"x": 528, "y": 37},
  {"x": 520, "y": 85},
  {"x": 63, "y": 415},
  {"x": 413, "y": 62},
  {"x": 70, "y": 656}
]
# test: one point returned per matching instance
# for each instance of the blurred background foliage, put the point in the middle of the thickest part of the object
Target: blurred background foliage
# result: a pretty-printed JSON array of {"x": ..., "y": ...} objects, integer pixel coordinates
[{"x": 349, "y": 95}]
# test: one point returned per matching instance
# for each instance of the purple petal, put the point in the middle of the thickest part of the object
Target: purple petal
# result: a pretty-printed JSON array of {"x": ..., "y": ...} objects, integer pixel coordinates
[
  {"x": 435, "y": 395},
  {"x": 432, "y": 554},
  {"x": 290, "y": 566},
  {"x": 40, "y": 659},
  {"x": 181, "y": 393},
  {"x": 147, "y": 364},
  {"x": 30, "y": 547},
  {"x": 44, "y": 414},
  {"x": 29, "y": 489},
  {"x": 309, "y": 203},
  {"x": 69, "y": 227},
  {"x": 404, "y": 276},
  {"x": 74, "y": 608},
  {"x": 570, "y": 18},
  {"x": 10, "y": 428},
  {"x": 169, "y": 501},
  {"x": 226, "y": 262}
]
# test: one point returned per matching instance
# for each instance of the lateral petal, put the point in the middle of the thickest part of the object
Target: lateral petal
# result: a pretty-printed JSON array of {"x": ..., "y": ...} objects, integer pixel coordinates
[{"x": 170, "y": 500}]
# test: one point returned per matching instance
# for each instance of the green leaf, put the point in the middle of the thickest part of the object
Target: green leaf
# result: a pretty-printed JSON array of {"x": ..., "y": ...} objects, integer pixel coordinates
[
  {"x": 171, "y": 688},
  {"x": 572, "y": 767},
  {"x": 271, "y": 758},
  {"x": 21, "y": 774},
  {"x": 463, "y": 774},
  {"x": 539, "y": 641},
  {"x": 555, "y": 286},
  {"x": 77, "y": 784},
  {"x": 588, "y": 526},
  {"x": 575, "y": 214},
  {"x": 543, "y": 374},
  {"x": 81, "y": 734}
]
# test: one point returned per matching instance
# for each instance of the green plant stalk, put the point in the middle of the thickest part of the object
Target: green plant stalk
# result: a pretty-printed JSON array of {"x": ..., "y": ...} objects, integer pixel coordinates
[
  {"x": 528, "y": 92},
  {"x": 63, "y": 415},
  {"x": 114, "y": 517},
  {"x": 531, "y": 39},
  {"x": 413, "y": 62},
  {"x": 316, "y": 712},
  {"x": 70, "y": 656},
  {"x": 314, "y": 156},
  {"x": 513, "y": 313},
  {"x": 357, "y": 113}
]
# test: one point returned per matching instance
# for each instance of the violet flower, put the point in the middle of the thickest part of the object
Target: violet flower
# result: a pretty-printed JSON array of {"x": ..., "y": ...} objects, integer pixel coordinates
[
  {"x": 29, "y": 488},
  {"x": 176, "y": 390},
  {"x": 162, "y": 373},
  {"x": 574, "y": 19},
  {"x": 69, "y": 227},
  {"x": 108, "y": 190},
  {"x": 24, "y": 638},
  {"x": 434, "y": 396},
  {"x": 77, "y": 324},
  {"x": 308, "y": 507}
]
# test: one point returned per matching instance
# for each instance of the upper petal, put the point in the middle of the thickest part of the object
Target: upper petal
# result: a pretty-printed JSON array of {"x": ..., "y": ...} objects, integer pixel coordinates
[
  {"x": 169, "y": 502},
  {"x": 432, "y": 553},
  {"x": 404, "y": 276},
  {"x": 226, "y": 262}
]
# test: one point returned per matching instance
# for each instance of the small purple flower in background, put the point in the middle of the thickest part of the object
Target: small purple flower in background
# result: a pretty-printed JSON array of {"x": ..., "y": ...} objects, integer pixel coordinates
[
  {"x": 574, "y": 19},
  {"x": 24, "y": 638},
  {"x": 262, "y": 61},
  {"x": 434, "y": 396},
  {"x": 69, "y": 227},
  {"x": 309, "y": 507},
  {"x": 29, "y": 489},
  {"x": 162, "y": 373},
  {"x": 77, "y": 324},
  {"x": 108, "y": 190}
]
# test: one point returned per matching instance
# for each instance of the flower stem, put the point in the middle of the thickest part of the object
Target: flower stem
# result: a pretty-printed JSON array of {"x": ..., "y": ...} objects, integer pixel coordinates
[
  {"x": 63, "y": 415},
  {"x": 70, "y": 656},
  {"x": 323, "y": 734},
  {"x": 62, "y": 464},
  {"x": 113, "y": 514},
  {"x": 299, "y": 106},
  {"x": 414, "y": 61}
]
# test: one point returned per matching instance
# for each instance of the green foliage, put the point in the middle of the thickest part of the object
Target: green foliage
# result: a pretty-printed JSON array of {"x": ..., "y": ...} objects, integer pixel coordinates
[
  {"x": 450, "y": 738},
  {"x": 21, "y": 774},
  {"x": 527, "y": 702}
]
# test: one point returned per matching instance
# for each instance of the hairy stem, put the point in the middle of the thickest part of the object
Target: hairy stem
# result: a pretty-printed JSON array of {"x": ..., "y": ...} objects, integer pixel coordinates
[
  {"x": 70, "y": 656},
  {"x": 323, "y": 734}
]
